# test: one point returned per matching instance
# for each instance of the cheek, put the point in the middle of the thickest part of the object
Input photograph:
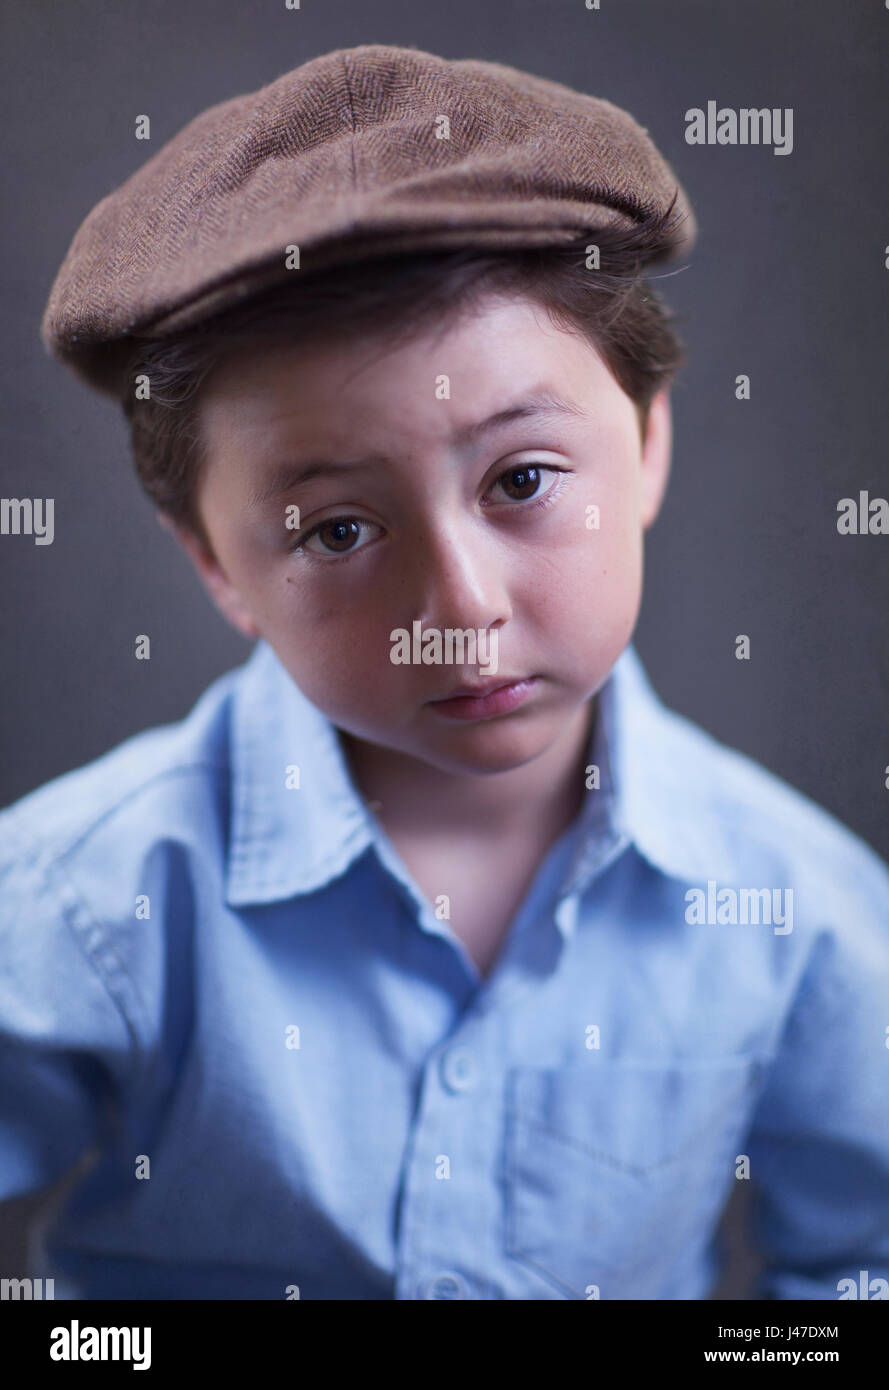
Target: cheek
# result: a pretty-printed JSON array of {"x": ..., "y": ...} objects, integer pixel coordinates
[
  {"x": 584, "y": 567},
  {"x": 616, "y": 546},
  {"x": 336, "y": 654},
  {"x": 584, "y": 594}
]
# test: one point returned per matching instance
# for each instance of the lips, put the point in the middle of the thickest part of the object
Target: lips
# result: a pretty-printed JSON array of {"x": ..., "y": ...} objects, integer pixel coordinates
[
  {"x": 494, "y": 700},
  {"x": 461, "y": 692}
]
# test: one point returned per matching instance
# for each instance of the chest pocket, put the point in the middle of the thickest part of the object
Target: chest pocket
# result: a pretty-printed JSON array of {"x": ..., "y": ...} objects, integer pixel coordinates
[{"x": 613, "y": 1169}]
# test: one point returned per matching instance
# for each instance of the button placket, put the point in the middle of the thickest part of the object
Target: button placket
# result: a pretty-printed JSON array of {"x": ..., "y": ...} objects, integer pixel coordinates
[{"x": 439, "y": 1244}]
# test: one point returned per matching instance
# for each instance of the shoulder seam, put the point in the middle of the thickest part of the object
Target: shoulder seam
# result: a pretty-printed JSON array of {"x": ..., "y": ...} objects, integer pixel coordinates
[
  {"x": 62, "y": 847},
  {"x": 93, "y": 941}
]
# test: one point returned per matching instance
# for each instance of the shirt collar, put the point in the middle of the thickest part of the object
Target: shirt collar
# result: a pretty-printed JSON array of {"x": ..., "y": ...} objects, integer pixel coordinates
[
  {"x": 298, "y": 820},
  {"x": 663, "y": 773}
]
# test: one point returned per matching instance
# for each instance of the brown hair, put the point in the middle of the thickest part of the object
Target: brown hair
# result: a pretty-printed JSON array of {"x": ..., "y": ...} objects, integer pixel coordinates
[{"x": 393, "y": 297}]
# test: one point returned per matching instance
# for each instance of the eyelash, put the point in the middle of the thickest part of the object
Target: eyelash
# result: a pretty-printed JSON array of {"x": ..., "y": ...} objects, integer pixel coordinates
[{"x": 533, "y": 503}]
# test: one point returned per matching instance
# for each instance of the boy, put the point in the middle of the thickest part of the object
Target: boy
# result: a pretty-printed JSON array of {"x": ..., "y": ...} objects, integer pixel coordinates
[{"x": 375, "y": 977}]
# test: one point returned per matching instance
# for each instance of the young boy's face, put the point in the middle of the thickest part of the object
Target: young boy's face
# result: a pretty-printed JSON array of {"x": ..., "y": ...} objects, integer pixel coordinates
[{"x": 438, "y": 525}]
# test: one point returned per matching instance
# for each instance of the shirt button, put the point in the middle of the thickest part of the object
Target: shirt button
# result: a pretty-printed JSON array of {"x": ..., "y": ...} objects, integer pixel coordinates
[
  {"x": 458, "y": 1069},
  {"x": 447, "y": 1285}
]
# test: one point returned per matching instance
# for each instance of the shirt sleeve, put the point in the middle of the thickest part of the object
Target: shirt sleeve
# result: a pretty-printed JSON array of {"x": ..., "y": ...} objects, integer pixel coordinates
[
  {"x": 819, "y": 1142},
  {"x": 65, "y": 1046}
]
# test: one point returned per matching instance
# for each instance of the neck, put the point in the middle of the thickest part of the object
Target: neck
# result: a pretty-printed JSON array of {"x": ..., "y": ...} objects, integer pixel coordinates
[{"x": 539, "y": 799}]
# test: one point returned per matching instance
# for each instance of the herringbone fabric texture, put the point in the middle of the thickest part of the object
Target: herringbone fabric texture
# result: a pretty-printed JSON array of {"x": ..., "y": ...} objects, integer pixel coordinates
[{"x": 359, "y": 152}]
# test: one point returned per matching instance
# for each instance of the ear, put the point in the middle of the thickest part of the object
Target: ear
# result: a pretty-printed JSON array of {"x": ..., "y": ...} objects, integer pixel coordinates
[
  {"x": 656, "y": 452},
  {"x": 213, "y": 578}
]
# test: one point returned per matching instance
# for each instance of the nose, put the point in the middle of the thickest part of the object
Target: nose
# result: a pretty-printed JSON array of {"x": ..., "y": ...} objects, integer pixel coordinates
[{"x": 461, "y": 578}]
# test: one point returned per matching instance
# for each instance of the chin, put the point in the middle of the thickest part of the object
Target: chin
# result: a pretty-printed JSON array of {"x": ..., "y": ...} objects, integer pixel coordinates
[{"x": 482, "y": 749}]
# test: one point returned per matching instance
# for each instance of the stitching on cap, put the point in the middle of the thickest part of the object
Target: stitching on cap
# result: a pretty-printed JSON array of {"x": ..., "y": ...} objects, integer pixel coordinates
[{"x": 352, "y": 118}]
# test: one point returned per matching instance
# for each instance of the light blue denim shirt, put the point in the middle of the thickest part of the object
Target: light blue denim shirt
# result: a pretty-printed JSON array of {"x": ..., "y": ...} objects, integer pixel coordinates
[{"x": 228, "y": 995}]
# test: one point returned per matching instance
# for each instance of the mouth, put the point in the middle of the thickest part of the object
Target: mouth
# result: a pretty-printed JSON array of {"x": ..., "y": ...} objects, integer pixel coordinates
[
  {"x": 486, "y": 699},
  {"x": 473, "y": 689}
]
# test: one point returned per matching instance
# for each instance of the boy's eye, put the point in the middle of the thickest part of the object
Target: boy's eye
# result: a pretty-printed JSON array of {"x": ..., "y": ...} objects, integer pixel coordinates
[
  {"x": 525, "y": 479},
  {"x": 338, "y": 535}
]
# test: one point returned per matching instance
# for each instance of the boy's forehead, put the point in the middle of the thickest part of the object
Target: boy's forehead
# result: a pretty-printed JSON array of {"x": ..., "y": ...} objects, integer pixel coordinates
[
  {"x": 492, "y": 337},
  {"x": 503, "y": 363}
]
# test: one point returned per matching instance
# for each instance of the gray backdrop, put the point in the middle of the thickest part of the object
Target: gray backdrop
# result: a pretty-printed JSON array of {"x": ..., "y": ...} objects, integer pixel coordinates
[{"x": 788, "y": 284}]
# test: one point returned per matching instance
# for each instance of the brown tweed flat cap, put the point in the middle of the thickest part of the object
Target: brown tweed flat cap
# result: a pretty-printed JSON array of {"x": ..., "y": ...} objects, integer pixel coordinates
[{"x": 360, "y": 152}]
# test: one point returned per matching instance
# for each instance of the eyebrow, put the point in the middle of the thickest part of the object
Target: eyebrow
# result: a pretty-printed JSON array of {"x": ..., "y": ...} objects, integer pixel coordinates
[{"x": 541, "y": 402}]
